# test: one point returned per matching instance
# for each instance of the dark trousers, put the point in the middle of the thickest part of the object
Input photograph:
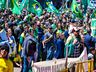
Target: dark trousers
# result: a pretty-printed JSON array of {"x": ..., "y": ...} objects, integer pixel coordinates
[{"x": 26, "y": 66}]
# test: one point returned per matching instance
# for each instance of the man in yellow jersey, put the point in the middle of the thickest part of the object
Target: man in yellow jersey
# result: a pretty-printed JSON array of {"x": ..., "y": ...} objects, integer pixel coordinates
[{"x": 5, "y": 64}]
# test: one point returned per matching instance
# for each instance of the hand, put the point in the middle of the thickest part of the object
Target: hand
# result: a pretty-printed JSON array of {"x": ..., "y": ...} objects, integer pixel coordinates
[
  {"x": 28, "y": 59},
  {"x": 75, "y": 41}
]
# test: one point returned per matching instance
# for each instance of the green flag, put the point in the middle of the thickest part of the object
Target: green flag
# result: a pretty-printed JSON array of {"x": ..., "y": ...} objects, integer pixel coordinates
[
  {"x": 51, "y": 8},
  {"x": 11, "y": 5},
  {"x": 35, "y": 7},
  {"x": 22, "y": 37},
  {"x": 76, "y": 10},
  {"x": 85, "y": 4},
  {"x": 16, "y": 9},
  {"x": 93, "y": 27},
  {"x": 93, "y": 14},
  {"x": 24, "y": 4},
  {"x": 2, "y": 4}
]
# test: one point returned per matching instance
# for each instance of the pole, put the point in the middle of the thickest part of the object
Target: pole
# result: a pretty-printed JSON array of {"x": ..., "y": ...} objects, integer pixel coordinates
[
  {"x": 66, "y": 62},
  {"x": 7, "y": 4},
  {"x": 63, "y": 4}
]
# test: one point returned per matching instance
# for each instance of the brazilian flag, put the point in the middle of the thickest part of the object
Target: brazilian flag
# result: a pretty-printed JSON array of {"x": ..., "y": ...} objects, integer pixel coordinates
[
  {"x": 35, "y": 7},
  {"x": 76, "y": 10},
  {"x": 51, "y": 8},
  {"x": 22, "y": 37}
]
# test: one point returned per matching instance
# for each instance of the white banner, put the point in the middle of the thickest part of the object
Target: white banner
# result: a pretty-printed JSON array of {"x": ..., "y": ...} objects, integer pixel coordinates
[
  {"x": 84, "y": 57},
  {"x": 59, "y": 64}
]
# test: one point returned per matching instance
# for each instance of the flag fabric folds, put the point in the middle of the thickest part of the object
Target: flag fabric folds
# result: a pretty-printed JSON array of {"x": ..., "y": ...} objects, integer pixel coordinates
[
  {"x": 24, "y": 4},
  {"x": 35, "y": 7},
  {"x": 51, "y": 7},
  {"x": 11, "y": 5},
  {"x": 76, "y": 10},
  {"x": 2, "y": 4},
  {"x": 22, "y": 37},
  {"x": 16, "y": 9}
]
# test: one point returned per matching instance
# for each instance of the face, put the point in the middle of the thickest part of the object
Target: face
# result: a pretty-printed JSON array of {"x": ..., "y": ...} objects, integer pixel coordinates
[
  {"x": 3, "y": 53},
  {"x": 9, "y": 32},
  {"x": 62, "y": 36},
  {"x": 6, "y": 25},
  {"x": 34, "y": 27},
  {"x": 76, "y": 33},
  {"x": 32, "y": 33},
  {"x": 59, "y": 25},
  {"x": 93, "y": 51}
]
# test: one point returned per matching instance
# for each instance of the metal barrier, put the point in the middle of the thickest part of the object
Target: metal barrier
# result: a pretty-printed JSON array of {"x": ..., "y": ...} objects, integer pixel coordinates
[
  {"x": 64, "y": 70},
  {"x": 80, "y": 66}
]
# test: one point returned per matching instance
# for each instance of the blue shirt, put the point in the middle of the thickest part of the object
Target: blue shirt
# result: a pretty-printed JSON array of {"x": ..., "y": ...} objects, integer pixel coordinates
[
  {"x": 25, "y": 45},
  {"x": 89, "y": 41}
]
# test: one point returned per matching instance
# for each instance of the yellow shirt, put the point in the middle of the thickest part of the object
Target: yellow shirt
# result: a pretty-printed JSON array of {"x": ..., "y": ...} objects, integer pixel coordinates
[
  {"x": 6, "y": 65},
  {"x": 2, "y": 65}
]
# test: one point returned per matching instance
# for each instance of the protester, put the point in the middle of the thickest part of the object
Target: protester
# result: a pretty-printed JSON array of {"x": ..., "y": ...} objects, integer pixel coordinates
[
  {"x": 60, "y": 46},
  {"x": 51, "y": 32},
  {"x": 5, "y": 64},
  {"x": 29, "y": 48},
  {"x": 12, "y": 41}
]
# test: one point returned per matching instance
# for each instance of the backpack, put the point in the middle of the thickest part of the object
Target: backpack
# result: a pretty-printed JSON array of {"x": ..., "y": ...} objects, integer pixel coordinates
[{"x": 31, "y": 47}]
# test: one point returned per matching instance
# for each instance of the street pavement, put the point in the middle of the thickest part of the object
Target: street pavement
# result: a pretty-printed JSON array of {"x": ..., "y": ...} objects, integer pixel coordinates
[{"x": 16, "y": 69}]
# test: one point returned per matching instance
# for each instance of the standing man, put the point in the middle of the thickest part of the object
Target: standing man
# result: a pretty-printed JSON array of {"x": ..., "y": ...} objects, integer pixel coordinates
[
  {"x": 39, "y": 38},
  {"x": 60, "y": 46},
  {"x": 29, "y": 48},
  {"x": 72, "y": 44},
  {"x": 48, "y": 44}
]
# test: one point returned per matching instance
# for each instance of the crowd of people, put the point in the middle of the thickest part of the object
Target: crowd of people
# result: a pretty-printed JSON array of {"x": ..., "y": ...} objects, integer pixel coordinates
[{"x": 25, "y": 38}]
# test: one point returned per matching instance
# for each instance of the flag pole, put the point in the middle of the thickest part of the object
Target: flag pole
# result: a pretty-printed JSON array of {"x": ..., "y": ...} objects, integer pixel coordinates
[
  {"x": 63, "y": 4},
  {"x": 7, "y": 4}
]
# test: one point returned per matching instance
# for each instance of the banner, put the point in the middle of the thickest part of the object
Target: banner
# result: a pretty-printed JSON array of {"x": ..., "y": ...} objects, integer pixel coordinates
[
  {"x": 76, "y": 10},
  {"x": 83, "y": 57},
  {"x": 57, "y": 65}
]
